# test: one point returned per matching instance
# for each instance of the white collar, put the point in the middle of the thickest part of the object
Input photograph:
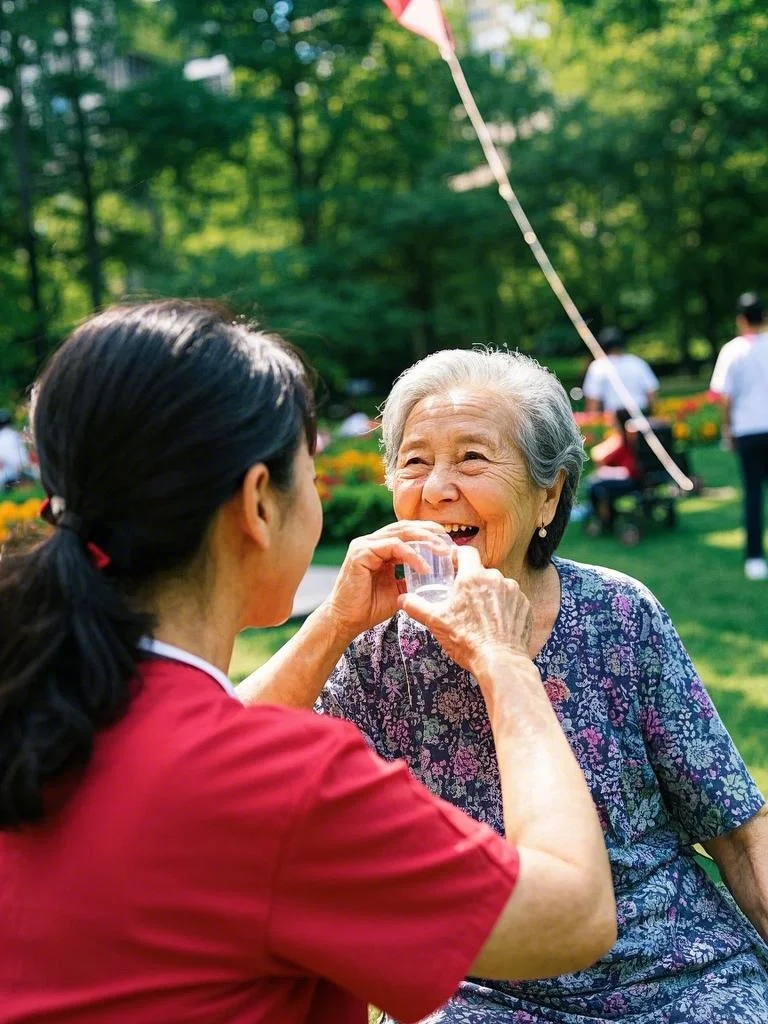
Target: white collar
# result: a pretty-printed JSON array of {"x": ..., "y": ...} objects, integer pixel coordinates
[{"x": 164, "y": 650}]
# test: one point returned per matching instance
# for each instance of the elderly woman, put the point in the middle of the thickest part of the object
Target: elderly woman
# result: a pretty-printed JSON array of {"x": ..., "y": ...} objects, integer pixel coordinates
[{"x": 484, "y": 443}]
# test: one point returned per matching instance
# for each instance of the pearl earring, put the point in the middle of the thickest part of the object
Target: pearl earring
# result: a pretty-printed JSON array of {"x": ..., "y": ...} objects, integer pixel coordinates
[{"x": 542, "y": 531}]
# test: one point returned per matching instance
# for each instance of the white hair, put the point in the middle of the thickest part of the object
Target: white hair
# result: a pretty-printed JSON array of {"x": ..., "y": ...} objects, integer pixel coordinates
[{"x": 541, "y": 422}]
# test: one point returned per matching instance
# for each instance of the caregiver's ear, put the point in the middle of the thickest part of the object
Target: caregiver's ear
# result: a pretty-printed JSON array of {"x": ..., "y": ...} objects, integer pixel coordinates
[{"x": 259, "y": 510}]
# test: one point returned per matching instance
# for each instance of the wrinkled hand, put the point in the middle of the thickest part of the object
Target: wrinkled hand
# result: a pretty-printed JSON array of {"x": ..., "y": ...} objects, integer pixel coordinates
[
  {"x": 366, "y": 591},
  {"x": 484, "y": 610}
]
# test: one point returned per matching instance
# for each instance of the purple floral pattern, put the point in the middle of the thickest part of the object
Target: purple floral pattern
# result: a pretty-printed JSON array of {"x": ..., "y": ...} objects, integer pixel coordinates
[{"x": 663, "y": 772}]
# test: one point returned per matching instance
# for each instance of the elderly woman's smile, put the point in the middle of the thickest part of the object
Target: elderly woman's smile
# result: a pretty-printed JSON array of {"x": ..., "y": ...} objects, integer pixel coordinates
[
  {"x": 458, "y": 466},
  {"x": 461, "y": 534}
]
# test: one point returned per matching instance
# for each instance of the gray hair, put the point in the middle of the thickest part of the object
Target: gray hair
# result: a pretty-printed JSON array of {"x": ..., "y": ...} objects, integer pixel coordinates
[{"x": 542, "y": 424}]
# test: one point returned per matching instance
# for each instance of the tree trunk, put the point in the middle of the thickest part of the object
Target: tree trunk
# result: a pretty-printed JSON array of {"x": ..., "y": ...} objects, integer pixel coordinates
[
  {"x": 683, "y": 323},
  {"x": 29, "y": 236},
  {"x": 422, "y": 299},
  {"x": 82, "y": 154},
  {"x": 303, "y": 185},
  {"x": 711, "y": 321}
]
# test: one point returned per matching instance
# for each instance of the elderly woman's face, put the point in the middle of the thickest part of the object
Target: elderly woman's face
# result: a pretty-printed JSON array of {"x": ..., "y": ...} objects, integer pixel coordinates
[{"x": 457, "y": 466}]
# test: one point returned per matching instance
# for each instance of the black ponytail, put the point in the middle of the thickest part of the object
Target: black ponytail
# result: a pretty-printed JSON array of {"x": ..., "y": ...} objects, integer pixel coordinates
[
  {"x": 68, "y": 642},
  {"x": 145, "y": 422}
]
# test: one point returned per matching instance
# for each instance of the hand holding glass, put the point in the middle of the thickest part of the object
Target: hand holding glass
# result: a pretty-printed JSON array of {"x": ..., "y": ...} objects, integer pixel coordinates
[{"x": 433, "y": 584}]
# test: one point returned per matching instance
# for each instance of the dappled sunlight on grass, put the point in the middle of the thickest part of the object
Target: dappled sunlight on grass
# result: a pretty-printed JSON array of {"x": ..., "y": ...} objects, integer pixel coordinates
[
  {"x": 728, "y": 656},
  {"x": 731, "y": 540},
  {"x": 745, "y": 714}
]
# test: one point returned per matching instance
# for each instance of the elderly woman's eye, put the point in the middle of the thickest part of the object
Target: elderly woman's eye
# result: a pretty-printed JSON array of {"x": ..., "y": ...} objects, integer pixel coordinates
[{"x": 473, "y": 455}]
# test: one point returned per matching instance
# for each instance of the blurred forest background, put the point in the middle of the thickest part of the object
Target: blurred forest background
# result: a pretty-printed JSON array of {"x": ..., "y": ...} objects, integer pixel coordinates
[{"x": 309, "y": 163}]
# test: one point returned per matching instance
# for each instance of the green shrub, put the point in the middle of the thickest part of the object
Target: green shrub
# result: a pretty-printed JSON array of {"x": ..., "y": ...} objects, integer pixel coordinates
[{"x": 351, "y": 510}]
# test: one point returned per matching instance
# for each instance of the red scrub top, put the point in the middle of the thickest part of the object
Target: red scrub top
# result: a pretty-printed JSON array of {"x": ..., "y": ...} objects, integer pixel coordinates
[{"x": 235, "y": 865}]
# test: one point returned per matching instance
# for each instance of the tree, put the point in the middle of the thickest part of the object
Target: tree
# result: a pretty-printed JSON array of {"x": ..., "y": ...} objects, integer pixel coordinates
[
  {"x": 323, "y": 185},
  {"x": 20, "y": 24},
  {"x": 356, "y": 123},
  {"x": 663, "y": 145}
]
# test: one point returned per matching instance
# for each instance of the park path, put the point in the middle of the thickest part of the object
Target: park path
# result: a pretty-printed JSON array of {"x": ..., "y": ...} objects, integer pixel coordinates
[{"x": 313, "y": 589}]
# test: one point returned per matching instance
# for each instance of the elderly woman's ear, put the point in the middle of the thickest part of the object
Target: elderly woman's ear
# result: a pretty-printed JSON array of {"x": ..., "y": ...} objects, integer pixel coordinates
[{"x": 551, "y": 499}]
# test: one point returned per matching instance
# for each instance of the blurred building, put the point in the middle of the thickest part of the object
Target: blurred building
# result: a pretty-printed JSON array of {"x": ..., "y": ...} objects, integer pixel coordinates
[
  {"x": 491, "y": 24},
  {"x": 214, "y": 72}
]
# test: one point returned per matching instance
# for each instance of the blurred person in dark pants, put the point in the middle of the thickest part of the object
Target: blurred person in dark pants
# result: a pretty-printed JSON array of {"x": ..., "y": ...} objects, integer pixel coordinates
[{"x": 745, "y": 421}]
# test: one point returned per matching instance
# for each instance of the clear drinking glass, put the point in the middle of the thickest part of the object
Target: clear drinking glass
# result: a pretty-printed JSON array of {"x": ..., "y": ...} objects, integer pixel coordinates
[{"x": 435, "y": 584}]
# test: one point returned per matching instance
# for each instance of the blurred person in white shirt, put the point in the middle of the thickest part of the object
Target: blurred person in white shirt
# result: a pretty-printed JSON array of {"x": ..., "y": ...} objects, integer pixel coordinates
[
  {"x": 750, "y": 321},
  {"x": 744, "y": 387},
  {"x": 638, "y": 378}
]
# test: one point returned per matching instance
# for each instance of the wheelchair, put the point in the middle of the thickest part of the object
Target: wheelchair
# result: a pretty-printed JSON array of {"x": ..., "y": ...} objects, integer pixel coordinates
[{"x": 652, "y": 503}]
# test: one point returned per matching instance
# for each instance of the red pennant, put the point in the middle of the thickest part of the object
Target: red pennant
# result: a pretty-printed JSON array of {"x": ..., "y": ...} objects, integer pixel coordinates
[{"x": 424, "y": 17}]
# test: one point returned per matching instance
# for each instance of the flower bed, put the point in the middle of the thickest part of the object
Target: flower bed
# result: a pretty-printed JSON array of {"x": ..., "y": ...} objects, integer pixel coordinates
[
  {"x": 19, "y": 517},
  {"x": 696, "y": 419},
  {"x": 350, "y": 482},
  {"x": 346, "y": 467}
]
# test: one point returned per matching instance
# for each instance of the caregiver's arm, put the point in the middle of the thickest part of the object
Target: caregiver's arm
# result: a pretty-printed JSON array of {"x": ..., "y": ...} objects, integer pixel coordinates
[
  {"x": 561, "y": 915},
  {"x": 742, "y": 857},
  {"x": 364, "y": 594},
  {"x": 296, "y": 674},
  {"x": 562, "y": 911}
]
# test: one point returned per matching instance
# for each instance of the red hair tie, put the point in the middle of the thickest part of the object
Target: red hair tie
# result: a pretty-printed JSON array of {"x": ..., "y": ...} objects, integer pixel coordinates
[
  {"x": 51, "y": 515},
  {"x": 100, "y": 558}
]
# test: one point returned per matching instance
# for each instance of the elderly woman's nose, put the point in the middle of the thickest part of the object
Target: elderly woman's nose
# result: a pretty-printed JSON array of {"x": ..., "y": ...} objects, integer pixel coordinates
[{"x": 439, "y": 485}]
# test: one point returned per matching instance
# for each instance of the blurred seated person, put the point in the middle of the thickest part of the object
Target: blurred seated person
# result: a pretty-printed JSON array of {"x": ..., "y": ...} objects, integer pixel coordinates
[
  {"x": 357, "y": 424},
  {"x": 617, "y": 469},
  {"x": 14, "y": 461},
  {"x": 638, "y": 378}
]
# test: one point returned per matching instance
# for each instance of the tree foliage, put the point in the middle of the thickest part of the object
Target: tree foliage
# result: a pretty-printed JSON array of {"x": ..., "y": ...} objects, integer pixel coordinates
[{"x": 321, "y": 184}]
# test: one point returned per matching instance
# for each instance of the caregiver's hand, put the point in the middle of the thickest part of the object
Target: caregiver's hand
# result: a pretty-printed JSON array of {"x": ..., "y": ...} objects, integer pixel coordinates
[
  {"x": 366, "y": 591},
  {"x": 485, "y": 610}
]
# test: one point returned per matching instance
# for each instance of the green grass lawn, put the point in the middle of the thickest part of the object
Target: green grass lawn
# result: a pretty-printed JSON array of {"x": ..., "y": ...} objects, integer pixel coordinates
[{"x": 696, "y": 572}]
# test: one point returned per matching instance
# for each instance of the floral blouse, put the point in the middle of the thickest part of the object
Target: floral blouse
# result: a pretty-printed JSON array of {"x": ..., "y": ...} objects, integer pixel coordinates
[{"x": 664, "y": 774}]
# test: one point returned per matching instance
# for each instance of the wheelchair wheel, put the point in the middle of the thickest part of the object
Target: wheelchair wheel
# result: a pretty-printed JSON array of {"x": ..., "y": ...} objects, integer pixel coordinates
[
  {"x": 629, "y": 534},
  {"x": 593, "y": 527}
]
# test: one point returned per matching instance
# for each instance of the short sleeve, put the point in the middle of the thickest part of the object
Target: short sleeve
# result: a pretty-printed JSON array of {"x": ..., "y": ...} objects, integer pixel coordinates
[
  {"x": 730, "y": 383},
  {"x": 383, "y": 888},
  {"x": 707, "y": 786},
  {"x": 346, "y": 696},
  {"x": 717, "y": 383}
]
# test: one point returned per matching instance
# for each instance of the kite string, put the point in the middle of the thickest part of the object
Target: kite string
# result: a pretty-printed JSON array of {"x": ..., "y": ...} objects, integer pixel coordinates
[{"x": 553, "y": 278}]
